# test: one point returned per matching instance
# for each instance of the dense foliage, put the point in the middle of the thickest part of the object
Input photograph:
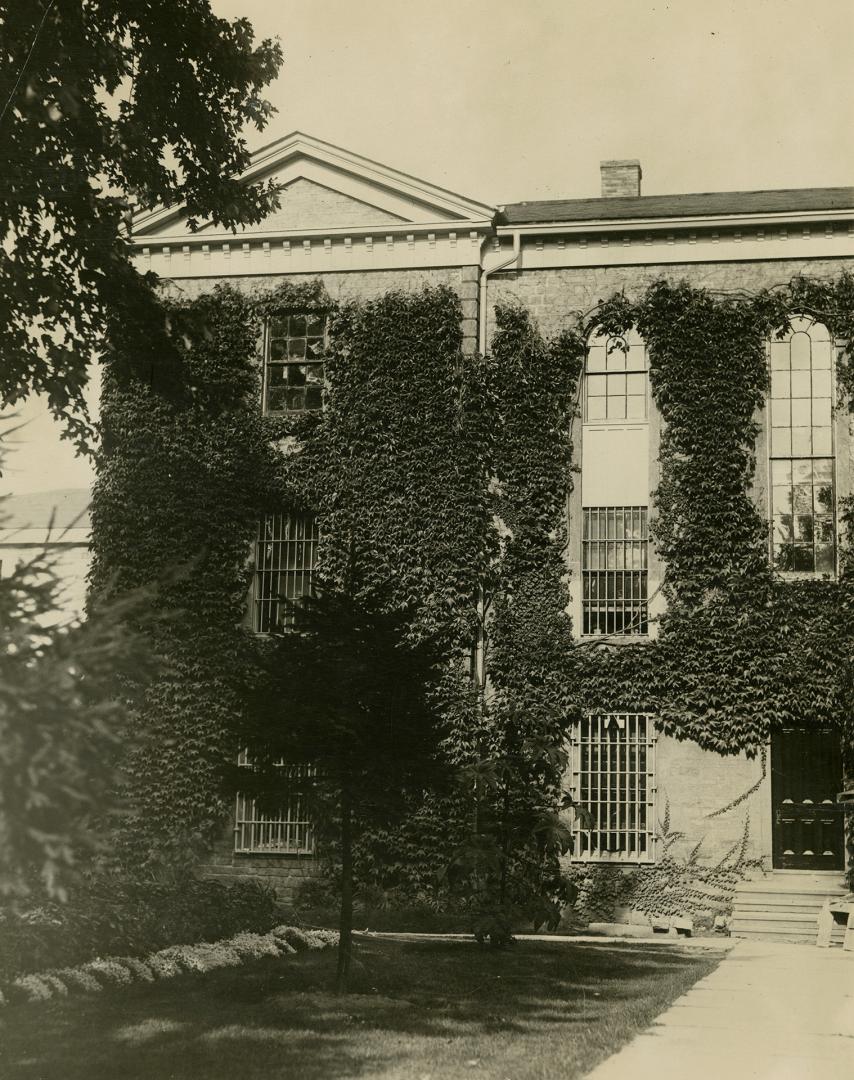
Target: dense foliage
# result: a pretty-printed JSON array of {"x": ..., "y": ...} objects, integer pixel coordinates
[
  {"x": 110, "y": 106},
  {"x": 440, "y": 483},
  {"x": 126, "y": 916},
  {"x": 186, "y": 471},
  {"x": 740, "y": 652},
  {"x": 63, "y": 719}
]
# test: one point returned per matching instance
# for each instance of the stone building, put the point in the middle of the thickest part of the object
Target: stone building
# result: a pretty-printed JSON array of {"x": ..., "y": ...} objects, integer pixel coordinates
[{"x": 362, "y": 228}]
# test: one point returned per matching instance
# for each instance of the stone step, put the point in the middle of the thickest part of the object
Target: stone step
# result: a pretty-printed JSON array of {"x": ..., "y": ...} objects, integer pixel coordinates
[
  {"x": 806, "y": 884},
  {"x": 775, "y": 904},
  {"x": 782, "y": 917},
  {"x": 793, "y": 938}
]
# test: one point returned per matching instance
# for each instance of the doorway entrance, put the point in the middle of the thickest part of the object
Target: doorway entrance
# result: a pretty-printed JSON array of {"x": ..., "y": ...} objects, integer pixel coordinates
[{"x": 806, "y": 774}]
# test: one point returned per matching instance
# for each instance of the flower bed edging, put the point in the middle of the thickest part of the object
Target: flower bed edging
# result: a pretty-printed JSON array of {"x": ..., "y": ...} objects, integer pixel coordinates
[{"x": 114, "y": 971}]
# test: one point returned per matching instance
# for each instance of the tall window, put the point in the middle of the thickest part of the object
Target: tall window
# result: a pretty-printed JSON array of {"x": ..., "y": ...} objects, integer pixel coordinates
[
  {"x": 613, "y": 779},
  {"x": 285, "y": 558},
  {"x": 615, "y": 387},
  {"x": 802, "y": 455},
  {"x": 614, "y": 548},
  {"x": 293, "y": 363},
  {"x": 286, "y": 831}
]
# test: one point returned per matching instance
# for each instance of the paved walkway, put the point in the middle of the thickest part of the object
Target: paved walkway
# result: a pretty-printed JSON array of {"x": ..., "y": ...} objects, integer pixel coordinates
[{"x": 769, "y": 1011}]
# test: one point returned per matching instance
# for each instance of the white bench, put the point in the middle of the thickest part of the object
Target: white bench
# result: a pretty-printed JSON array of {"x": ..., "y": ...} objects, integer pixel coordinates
[{"x": 836, "y": 911}]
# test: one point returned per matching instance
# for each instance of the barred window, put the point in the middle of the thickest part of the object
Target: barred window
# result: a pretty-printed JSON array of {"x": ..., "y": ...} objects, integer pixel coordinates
[
  {"x": 293, "y": 363},
  {"x": 614, "y": 549},
  {"x": 285, "y": 558},
  {"x": 613, "y": 779},
  {"x": 288, "y": 831},
  {"x": 801, "y": 446},
  {"x": 615, "y": 386}
]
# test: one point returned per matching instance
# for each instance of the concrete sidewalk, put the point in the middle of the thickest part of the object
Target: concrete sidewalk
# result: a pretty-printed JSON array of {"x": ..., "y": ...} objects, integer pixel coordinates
[{"x": 769, "y": 1011}]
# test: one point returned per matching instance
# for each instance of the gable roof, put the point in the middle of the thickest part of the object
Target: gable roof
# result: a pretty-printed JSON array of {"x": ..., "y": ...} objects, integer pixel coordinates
[
  {"x": 376, "y": 193},
  {"x": 706, "y": 204}
]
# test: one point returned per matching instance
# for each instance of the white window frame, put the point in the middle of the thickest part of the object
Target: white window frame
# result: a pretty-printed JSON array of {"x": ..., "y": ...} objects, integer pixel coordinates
[
  {"x": 600, "y": 346},
  {"x": 269, "y": 362},
  {"x": 802, "y": 323},
  {"x": 626, "y": 838}
]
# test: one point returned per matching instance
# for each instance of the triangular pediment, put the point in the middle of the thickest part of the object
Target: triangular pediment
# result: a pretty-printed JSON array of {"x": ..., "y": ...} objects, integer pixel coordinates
[{"x": 325, "y": 188}]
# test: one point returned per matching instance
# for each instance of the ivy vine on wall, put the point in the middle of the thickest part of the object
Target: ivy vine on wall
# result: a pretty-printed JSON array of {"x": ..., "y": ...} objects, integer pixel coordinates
[{"x": 441, "y": 484}]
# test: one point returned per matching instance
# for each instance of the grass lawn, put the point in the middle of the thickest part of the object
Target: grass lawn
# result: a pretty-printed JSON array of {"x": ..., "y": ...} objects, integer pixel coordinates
[{"x": 420, "y": 1010}]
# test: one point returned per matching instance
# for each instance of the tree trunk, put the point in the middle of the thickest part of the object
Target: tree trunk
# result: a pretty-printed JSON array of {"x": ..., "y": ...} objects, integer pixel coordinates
[
  {"x": 505, "y": 848},
  {"x": 345, "y": 940}
]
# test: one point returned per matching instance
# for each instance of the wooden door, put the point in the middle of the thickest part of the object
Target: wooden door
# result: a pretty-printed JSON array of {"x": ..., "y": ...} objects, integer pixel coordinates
[{"x": 806, "y": 775}]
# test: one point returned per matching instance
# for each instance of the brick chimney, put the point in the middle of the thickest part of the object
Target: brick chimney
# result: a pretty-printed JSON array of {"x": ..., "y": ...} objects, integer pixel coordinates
[{"x": 620, "y": 178}]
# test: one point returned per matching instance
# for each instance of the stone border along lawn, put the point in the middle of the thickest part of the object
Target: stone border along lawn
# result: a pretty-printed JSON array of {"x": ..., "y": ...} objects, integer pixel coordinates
[{"x": 114, "y": 971}]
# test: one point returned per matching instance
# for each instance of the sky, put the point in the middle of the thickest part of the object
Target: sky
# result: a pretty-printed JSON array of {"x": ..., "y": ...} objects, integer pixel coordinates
[{"x": 506, "y": 100}]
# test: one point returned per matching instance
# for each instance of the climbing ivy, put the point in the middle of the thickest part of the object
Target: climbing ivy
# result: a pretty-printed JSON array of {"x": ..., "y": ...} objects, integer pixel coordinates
[
  {"x": 440, "y": 482},
  {"x": 186, "y": 469}
]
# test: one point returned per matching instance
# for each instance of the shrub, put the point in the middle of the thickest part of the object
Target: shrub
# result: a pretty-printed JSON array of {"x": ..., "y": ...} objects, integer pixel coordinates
[{"x": 116, "y": 915}]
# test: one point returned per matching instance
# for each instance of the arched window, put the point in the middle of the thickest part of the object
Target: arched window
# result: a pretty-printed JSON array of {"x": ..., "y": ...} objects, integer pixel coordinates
[
  {"x": 801, "y": 449},
  {"x": 615, "y": 386},
  {"x": 615, "y": 486}
]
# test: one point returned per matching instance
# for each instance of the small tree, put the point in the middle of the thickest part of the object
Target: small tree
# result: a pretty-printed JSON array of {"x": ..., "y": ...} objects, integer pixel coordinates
[
  {"x": 63, "y": 719},
  {"x": 349, "y": 693}
]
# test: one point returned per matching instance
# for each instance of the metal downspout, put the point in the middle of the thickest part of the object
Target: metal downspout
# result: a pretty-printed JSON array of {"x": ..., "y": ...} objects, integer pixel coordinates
[{"x": 481, "y": 311}]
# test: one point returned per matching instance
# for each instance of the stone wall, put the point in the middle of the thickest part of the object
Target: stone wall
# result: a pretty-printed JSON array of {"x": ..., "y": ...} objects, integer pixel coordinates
[
  {"x": 696, "y": 783},
  {"x": 552, "y": 295},
  {"x": 347, "y": 285},
  {"x": 284, "y": 873}
]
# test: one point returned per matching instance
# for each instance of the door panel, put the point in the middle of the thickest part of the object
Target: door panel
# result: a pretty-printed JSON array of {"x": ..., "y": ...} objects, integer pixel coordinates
[{"x": 806, "y": 774}]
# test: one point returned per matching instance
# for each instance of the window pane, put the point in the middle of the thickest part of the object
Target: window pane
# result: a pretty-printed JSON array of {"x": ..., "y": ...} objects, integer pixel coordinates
[
  {"x": 781, "y": 472},
  {"x": 596, "y": 385},
  {"x": 616, "y": 359},
  {"x": 781, "y": 498},
  {"x": 278, "y": 348},
  {"x": 616, "y": 408},
  {"x": 781, "y": 441},
  {"x": 616, "y": 385},
  {"x": 596, "y": 408},
  {"x": 821, "y": 383},
  {"x": 822, "y": 440},
  {"x": 596, "y": 358},
  {"x": 804, "y": 557},
  {"x": 636, "y": 384},
  {"x": 779, "y": 356},
  {"x": 636, "y": 408},
  {"x": 825, "y": 559},
  {"x": 801, "y": 412},
  {"x": 781, "y": 384},
  {"x": 801, "y": 384},
  {"x": 801, "y": 442},
  {"x": 784, "y": 557},
  {"x": 800, "y": 351},
  {"x": 783, "y": 528},
  {"x": 802, "y": 499},
  {"x": 781, "y": 413},
  {"x": 821, "y": 412}
]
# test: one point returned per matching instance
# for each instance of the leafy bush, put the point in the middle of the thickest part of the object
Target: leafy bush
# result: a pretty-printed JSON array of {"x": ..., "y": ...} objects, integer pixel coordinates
[{"x": 115, "y": 916}]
